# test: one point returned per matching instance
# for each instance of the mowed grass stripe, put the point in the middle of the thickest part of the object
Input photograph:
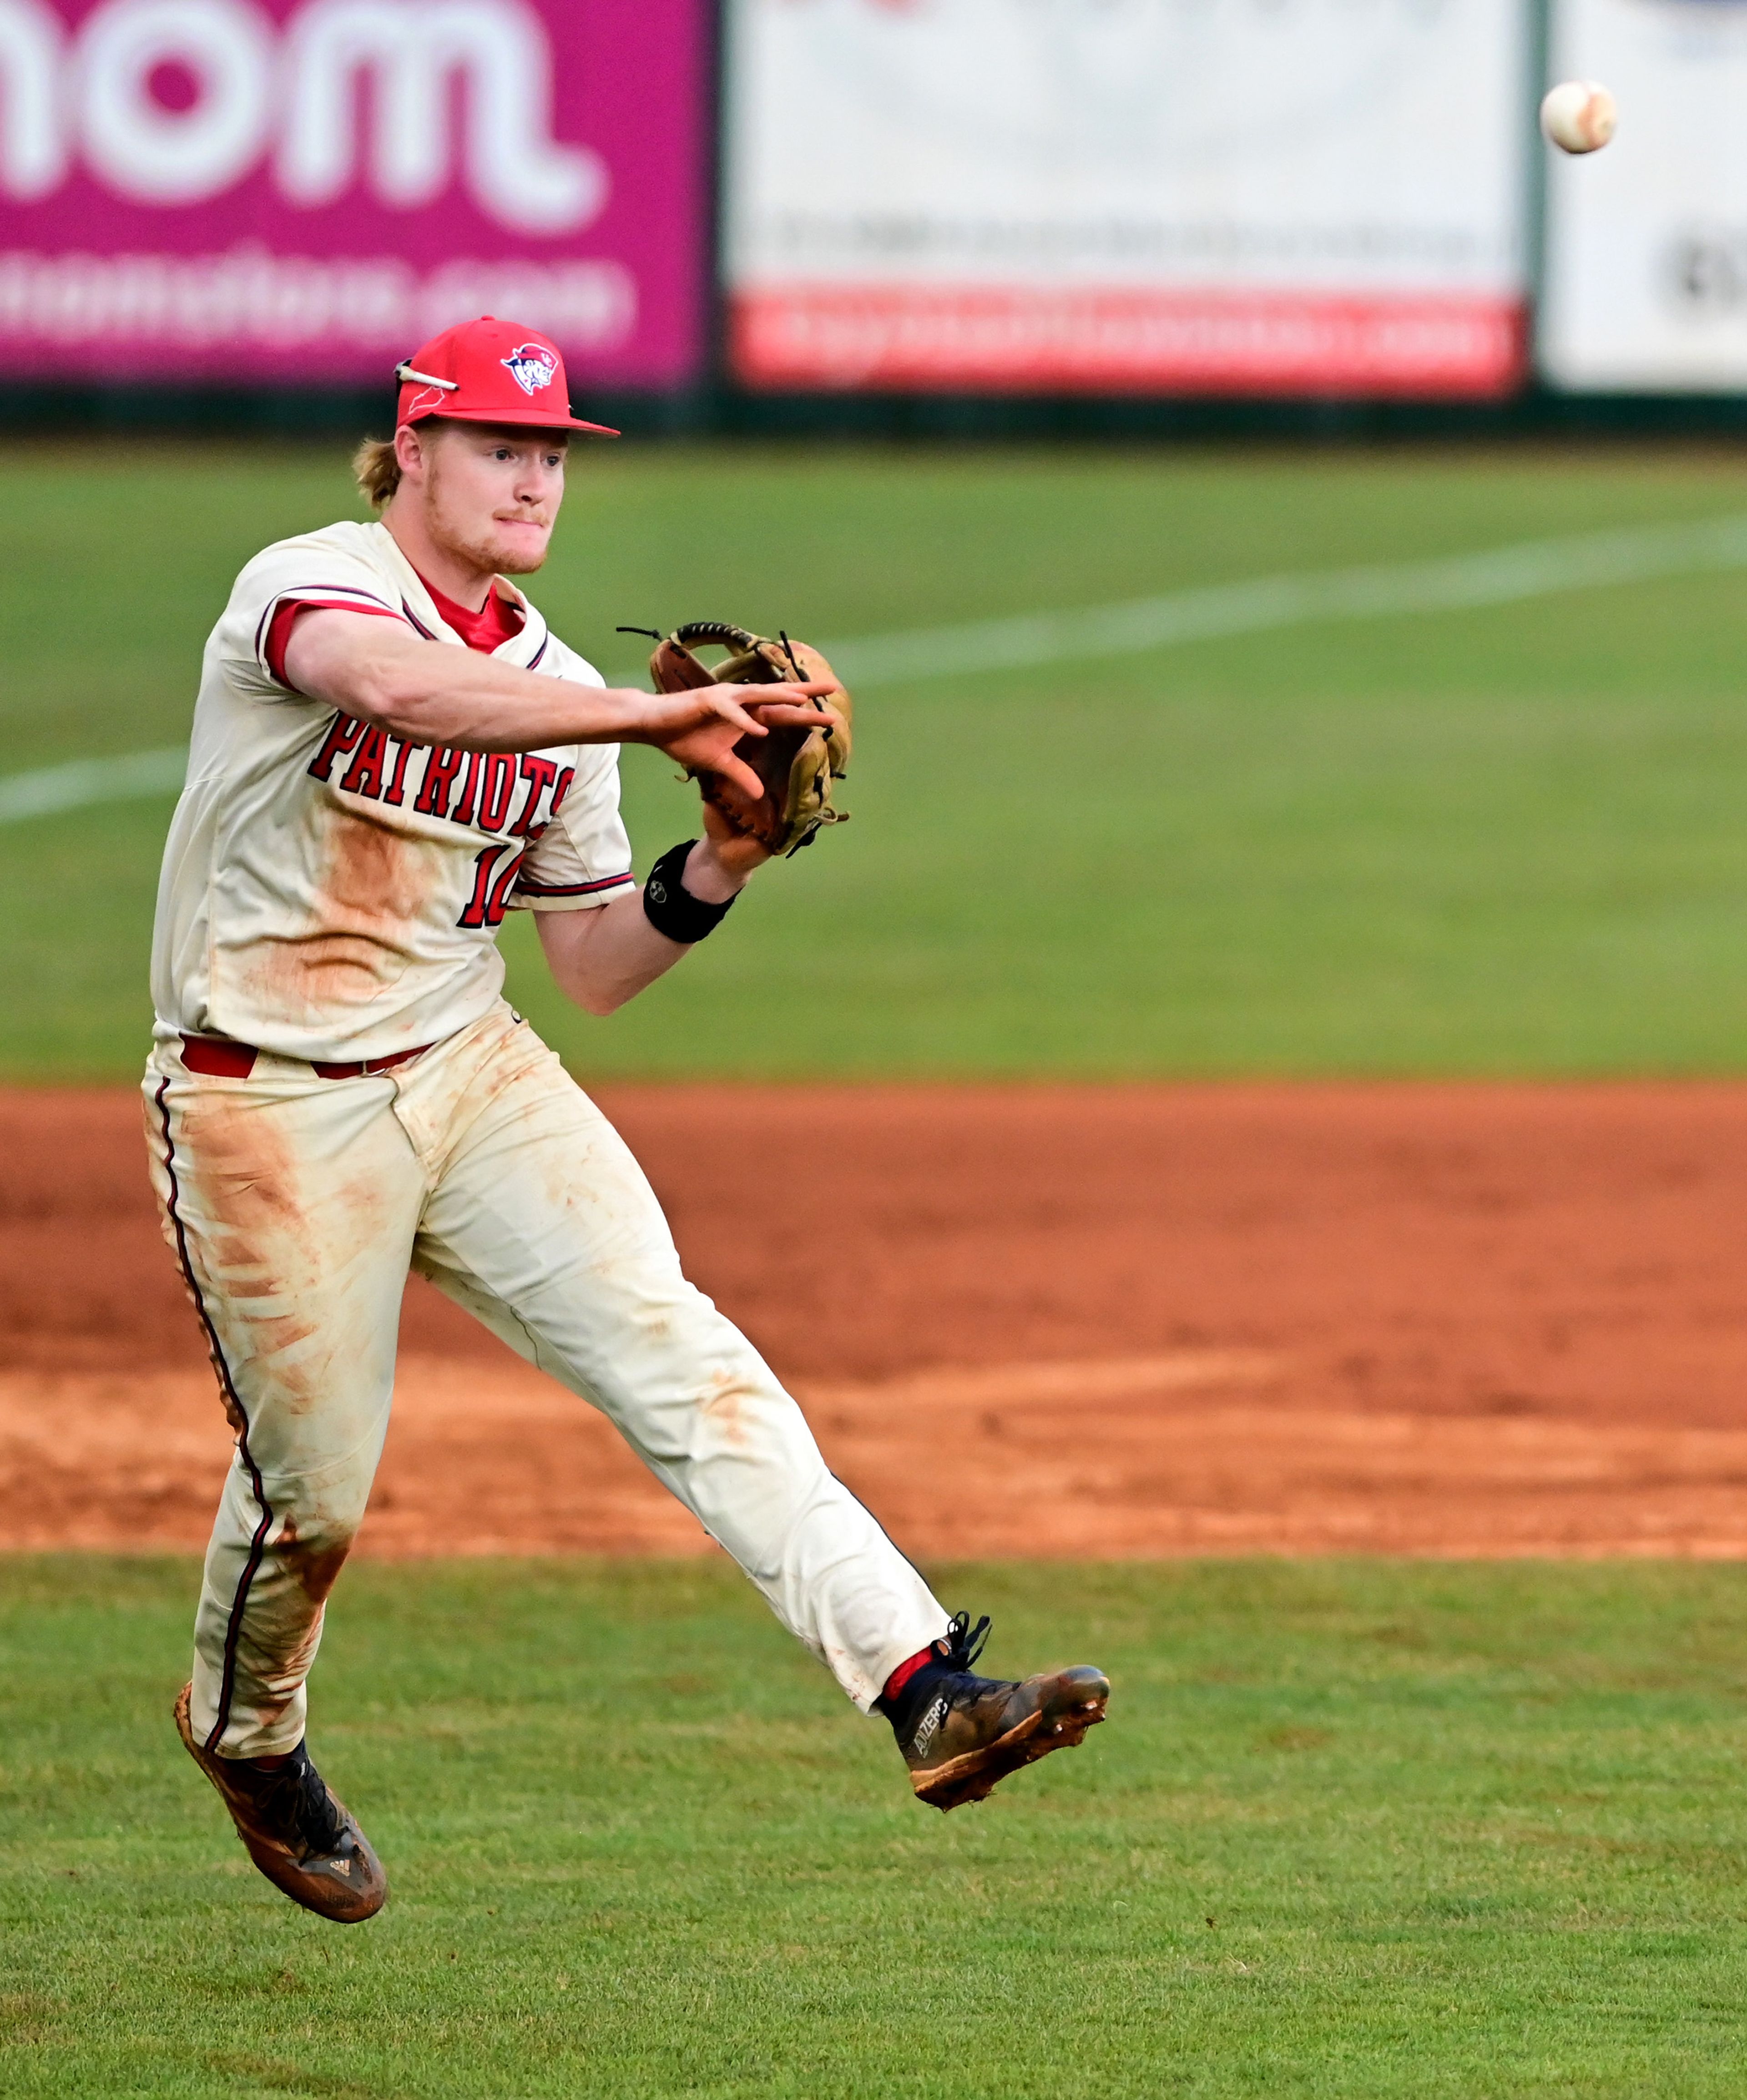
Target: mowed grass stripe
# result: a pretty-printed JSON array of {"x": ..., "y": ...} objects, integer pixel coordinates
[{"x": 1502, "y": 575}]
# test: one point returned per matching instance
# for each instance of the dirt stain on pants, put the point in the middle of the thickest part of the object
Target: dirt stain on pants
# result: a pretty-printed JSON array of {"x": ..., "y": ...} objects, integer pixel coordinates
[{"x": 297, "y": 1205}]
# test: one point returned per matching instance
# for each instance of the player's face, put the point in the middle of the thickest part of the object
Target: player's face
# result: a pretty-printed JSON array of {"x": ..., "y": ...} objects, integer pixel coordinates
[{"x": 491, "y": 496}]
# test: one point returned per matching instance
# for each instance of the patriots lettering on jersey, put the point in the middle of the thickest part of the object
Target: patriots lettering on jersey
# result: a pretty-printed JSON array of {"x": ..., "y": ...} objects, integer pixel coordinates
[
  {"x": 515, "y": 794},
  {"x": 440, "y": 769},
  {"x": 540, "y": 774},
  {"x": 496, "y": 785}
]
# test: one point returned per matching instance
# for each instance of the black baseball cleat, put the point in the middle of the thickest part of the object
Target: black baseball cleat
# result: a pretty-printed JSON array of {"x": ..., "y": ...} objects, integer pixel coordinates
[
  {"x": 304, "y": 1839},
  {"x": 961, "y": 1733}
]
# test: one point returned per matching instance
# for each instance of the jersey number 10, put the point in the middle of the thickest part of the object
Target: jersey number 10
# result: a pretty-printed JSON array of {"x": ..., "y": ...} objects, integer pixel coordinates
[{"x": 493, "y": 884}]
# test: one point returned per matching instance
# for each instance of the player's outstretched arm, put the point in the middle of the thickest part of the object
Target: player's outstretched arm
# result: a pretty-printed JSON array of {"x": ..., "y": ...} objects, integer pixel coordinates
[
  {"x": 427, "y": 693},
  {"x": 601, "y": 958}
]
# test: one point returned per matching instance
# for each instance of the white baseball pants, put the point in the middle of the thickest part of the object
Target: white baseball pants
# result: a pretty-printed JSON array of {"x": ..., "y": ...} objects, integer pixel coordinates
[{"x": 296, "y": 1206}]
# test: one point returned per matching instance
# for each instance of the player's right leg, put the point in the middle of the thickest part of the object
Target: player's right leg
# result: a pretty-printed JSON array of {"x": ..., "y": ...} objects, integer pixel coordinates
[{"x": 290, "y": 1202}]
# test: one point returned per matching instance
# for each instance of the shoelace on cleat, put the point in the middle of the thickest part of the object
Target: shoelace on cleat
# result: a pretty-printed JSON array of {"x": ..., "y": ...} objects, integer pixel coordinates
[
  {"x": 960, "y": 1686},
  {"x": 947, "y": 1682},
  {"x": 964, "y": 1642},
  {"x": 302, "y": 1802}
]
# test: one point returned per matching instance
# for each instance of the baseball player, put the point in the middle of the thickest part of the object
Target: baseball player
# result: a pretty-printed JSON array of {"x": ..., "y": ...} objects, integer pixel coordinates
[{"x": 391, "y": 750}]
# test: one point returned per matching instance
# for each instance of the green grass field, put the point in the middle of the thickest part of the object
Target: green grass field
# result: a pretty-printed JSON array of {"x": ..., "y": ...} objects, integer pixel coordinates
[
  {"x": 1351, "y": 1830},
  {"x": 1504, "y": 841}
]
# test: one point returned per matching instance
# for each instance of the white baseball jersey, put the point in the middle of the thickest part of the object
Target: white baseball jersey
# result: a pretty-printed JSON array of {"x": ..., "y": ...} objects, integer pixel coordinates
[{"x": 330, "y": 892}]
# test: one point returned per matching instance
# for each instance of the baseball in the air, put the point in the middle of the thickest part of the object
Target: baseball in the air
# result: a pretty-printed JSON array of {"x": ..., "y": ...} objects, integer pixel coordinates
[{"x": 1579, "y": 116}]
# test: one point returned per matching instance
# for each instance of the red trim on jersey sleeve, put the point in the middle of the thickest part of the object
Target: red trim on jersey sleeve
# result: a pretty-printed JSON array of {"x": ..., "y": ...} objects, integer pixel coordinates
[
  {"x": 343, "y": 596},
  {"x": 524, "y": 887},
  {"x": 284, "y": 618}
]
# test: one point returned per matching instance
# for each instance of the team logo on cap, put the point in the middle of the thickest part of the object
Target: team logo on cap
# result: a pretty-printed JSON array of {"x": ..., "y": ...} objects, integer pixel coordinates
[{"x": 531, "y": 366}]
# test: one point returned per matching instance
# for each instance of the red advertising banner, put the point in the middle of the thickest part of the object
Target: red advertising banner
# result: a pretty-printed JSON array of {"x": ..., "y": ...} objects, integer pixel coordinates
[
  {"x": 307, "y": 189},
  {"x": 920, "y": 338}
]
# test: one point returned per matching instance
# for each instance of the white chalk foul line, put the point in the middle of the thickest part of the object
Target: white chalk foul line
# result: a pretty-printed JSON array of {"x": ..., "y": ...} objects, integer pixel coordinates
[
  {"x": 1501, "y": 575},
  {"x": 1532, "y": 568},
  {"x": 88, "y": 780}
]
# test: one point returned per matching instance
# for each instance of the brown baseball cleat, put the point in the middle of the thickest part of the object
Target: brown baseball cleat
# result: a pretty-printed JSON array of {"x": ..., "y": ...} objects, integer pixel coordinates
[
  {"x": 961, "y": 1733},
  {"x": 304, "y": 1839}
]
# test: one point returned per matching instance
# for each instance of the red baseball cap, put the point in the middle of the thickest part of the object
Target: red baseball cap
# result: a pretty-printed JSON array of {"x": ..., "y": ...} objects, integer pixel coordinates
[{"x": 490, "y": 371}]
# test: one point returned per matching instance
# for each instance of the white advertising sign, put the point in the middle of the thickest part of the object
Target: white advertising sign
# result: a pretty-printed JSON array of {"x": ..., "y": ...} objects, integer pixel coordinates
[
  {"x": 1232, "y": 197},
  {"x": 1646, "y": 280}
]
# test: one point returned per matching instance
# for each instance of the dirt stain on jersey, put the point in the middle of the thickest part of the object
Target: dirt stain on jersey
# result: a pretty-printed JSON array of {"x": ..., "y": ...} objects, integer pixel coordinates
[{"x": 371, "y": 898}]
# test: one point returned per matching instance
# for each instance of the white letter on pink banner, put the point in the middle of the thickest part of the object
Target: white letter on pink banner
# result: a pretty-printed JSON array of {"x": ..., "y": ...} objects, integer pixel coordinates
[
  {"x": 32, "y": 152},
  {"x": 515, "y": 168},
  {"x": 163, "y": 156}
]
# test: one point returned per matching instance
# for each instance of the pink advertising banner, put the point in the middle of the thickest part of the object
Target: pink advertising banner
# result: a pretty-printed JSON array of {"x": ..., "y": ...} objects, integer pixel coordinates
[{"x": 305, "y": 190}]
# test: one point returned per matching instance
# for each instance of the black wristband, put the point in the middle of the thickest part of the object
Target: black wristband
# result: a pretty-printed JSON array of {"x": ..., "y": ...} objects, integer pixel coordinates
[{"x": 670, "y": 908}]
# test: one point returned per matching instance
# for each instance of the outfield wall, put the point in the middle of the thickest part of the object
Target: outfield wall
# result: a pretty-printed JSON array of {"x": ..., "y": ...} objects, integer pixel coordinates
[{"x": 733, "y": 208}]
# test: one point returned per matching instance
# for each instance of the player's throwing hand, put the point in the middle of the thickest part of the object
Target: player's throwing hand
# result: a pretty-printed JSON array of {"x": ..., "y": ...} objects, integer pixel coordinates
[{"x": 700, "y": 728}]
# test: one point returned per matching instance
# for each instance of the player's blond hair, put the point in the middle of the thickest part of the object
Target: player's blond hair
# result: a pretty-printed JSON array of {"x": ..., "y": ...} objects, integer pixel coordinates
[{"x": 378, "y": 471}]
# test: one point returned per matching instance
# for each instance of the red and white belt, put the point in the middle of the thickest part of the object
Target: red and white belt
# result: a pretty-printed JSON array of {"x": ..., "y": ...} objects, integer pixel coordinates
[{"x": 219, "y": 1058}]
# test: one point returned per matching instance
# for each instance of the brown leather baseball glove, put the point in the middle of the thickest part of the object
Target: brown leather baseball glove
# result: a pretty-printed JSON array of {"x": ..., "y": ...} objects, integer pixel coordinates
[{"x": 797, "y": 766}]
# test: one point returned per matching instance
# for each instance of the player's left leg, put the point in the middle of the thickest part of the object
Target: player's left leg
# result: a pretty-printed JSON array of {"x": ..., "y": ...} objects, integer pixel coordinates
[{"x": 541, "y": 1223}]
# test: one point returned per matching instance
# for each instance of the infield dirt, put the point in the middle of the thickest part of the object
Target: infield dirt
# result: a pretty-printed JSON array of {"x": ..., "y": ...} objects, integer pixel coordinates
[{"x": 1073, "y": 1322}]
